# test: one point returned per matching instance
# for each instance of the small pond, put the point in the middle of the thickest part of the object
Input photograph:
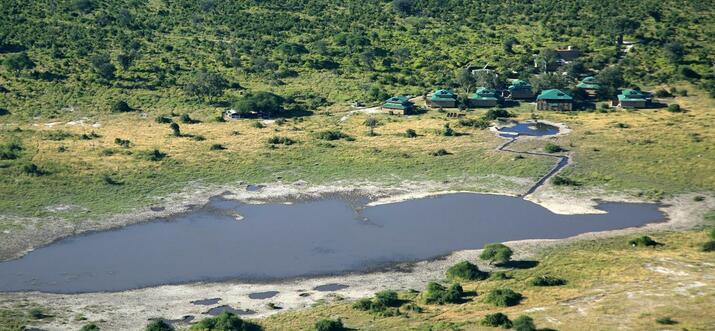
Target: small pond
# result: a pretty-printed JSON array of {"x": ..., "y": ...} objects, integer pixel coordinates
[
  {"x": 277, "y": 241},
  {"x": 530, "y": 129}
]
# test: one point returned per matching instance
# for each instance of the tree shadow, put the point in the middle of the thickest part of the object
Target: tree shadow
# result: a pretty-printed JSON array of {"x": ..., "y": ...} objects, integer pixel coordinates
[{"x": 525, "y": 264}]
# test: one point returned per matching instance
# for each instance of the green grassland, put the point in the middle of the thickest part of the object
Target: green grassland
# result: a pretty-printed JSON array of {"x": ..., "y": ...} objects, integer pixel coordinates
[{"x": 610, "y": 285}]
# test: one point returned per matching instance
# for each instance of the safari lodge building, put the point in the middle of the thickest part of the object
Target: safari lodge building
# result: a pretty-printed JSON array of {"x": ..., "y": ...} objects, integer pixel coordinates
[{"x": 554, "y": 100}]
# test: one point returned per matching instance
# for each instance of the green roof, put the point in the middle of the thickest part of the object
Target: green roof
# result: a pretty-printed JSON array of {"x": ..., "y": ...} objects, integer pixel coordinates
[
  {"x": 443, "y": 95},
  {"x": 398, "y": 102},
  {"x": 554, "y": 94},
  {"x": 518, "y": 84},
  {"x": 589, "y": 83},
  {"x": 632, "y": 95},
  {"x": 484, "y": 93}
]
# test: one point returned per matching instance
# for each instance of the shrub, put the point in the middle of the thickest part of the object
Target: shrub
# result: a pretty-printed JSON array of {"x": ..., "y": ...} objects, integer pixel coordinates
[
  {"x": 198, "y": 137},
  {"x": 503, "y": 297},
  {"x": 495, "y": 113},
  {"x": 466, "y": 270},
  {"x": 278, "y": 140},
  {"x": 662, "y": 93},
  {"x": 552, "y": 148},
  {"x": 547, "y": 281},
  {"x": 412, "y": 307},
  {"x": 331, "y": 135},
  {"x": 37, "y": 313},
  {"x": 708, "y": 246},
  {"x": 10, "y": 151},
  {"x": 175, "y": 129},
  {"x": 474, "y": 123},
  {"x": 496, "y": 253},
  {"x": 33, "y": 170},
  {"x": 666, "y": 320},
  {"x": 121, "y": 107},
  {"x": 111, "y": 181},
  {"x": 643, "y": 241},
  {"x": 712, "y": 233},
  {"x": 622, "y": 125},
  {"x": 362, "y": 304},
  {"x": 524, "y": 323},
  {"x": 89, "y": 136},
  {"x": 163, "y": 119},
  {"x": 564, "y": 181},
  {"x": 152, "y": 155},
  {"x": 447, "y": 131},
  {"x": 440, "y": 152},
  {"x": 387, "y": 298},
  {"x": 438, "y": 294},
  {"x": 699, "y": 198},
  {"x": 217, "y": 147},
  {"x": 329, "y": 325},
  {"x": 4, "y": 112},
  {"x": 225, "y": 321},
  {"x": 410, "y": 133},
  {"x": 264, "y": 104},
  {"x": 258, "y": 125},
  {"x": 186, "y": 119},
  {"x": 674, "y": 108},
  {"x": 122, "y": 142},
  {"x": 159, "y": 326},
  {"x": 57, "y": 135},
  {"x": 89, "y": 327},
  {"x": 496, "y": 320}
]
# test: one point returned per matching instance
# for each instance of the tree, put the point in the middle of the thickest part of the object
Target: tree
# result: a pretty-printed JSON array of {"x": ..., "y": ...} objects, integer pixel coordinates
[
  {"x": 126, "y": 60},
  {"x": 371, "y": 123},
  {"x": 509, "y": 44},
  {"x": 206, "y": 84},
  {"x": 547, "y": 59},
  {"x": 402, "y": 7},
  {"x": 465, "y": 79},
  {"x": 121, "y": 107},
  {"x": 524, "y": 323},
  {"x": 329, "y": 325},
  {"x": 487, "y": 78},
  {"x": 675, "y": 51},
  {"x": 224, "y": 322},
  {"x": 18, "y": 62},
  {"x": 496, "y": 253},
  {"x": 620, "y": 26},
  {"x": 175, "y": 129},
  {"x": 465, "y": 270},
  {"x": 497, "y": 320},
  {"x": 89, "y": 327},
  {"x": 103, "y": 66},
  {"x": 610, "y": 79},
  {"x": 159, "y": 326},
  {"x": 264, "y": 104},
  {"x": 503, "y": 297},
  {"x": 548, "y": 80}
]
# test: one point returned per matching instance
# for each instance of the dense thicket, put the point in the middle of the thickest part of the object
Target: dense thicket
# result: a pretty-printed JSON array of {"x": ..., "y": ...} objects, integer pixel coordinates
[{"x": 162, "y": 48}]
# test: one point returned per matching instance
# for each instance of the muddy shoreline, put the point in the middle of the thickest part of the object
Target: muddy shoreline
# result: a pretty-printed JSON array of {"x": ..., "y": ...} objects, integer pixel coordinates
[{"x": 131, "y": 309}]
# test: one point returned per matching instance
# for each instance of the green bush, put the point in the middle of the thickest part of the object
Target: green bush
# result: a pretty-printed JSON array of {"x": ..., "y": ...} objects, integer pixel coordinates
[
  {"x": 503, "y": 297},
  {"x": 564, "y": 181},
  {"x": 495, "y": 113},
  {"x": 159, "y": 326},
  {"x": 481, "y": 123},
  {"x": 553, "y": 148},
  {"x": 89, "y": 327},
  {"x": 438, "y": 294},
  {"x": 57, "y": 135},
  {"x": 329, "y": 325},
  {"x": 186, "y": 119},
  {"x": 496, "y": 253},
  {"x": 121, "y": 107},
  {"x": 152, "y": 155},
  {"x": 33, "y": 170},
  {"x": 363, "y": 304},
  {"x": 163, "y": 119},
  {"x": 547, "y": 281},
  {"x": 258, "y": 125},
  {"x": 674, "y": 108},
  {"x": 10, "y": 151},
  {"x": 4, "y": 112},
  {"x": 644, "y": 241},
  {"x": 412, "y": 307},
  {"x": 175, "y": 129},
  {"x": 387, "y": 298},
  {"x": 122, "y": 142},
  {"x": 225, "y": 321},
  {"x": 217, "y": 147},
  {"x": 708, "y": 246},
  {"x": 496, "y": 320},
  {"x": 447, "y": 131},
  {"x": 37, "y": 313},
  {"x": 499, "y": 275},
  {"x": 331, "y": 135},
  {"x": 524, "y": 323},
  {"x": 276, "y": 140},
  {"x": 263, "y": 104},
  {"x": 467, "y": 271},
  {"x": 410, "y": 133}
]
